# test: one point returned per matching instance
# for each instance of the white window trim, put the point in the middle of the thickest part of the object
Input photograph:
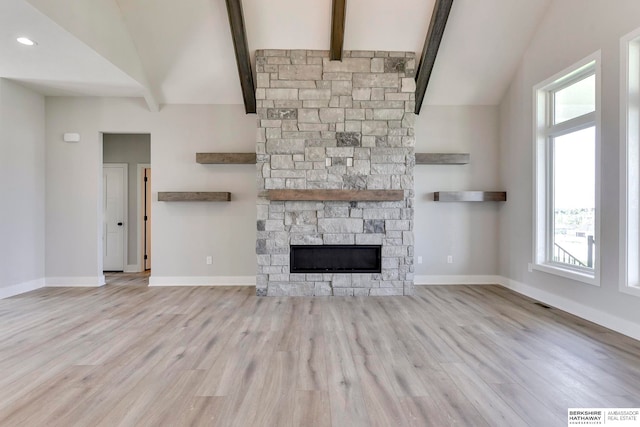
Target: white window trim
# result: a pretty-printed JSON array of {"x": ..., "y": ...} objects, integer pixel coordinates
[
  {"x": 630, "y": 164},
  {"x": 540, "y": 136}
]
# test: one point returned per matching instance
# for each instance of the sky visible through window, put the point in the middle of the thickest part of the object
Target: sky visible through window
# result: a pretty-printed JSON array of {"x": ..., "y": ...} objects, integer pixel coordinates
[
  {"x": 575, "y": 175},
  {"x": 575, "y": 100}
]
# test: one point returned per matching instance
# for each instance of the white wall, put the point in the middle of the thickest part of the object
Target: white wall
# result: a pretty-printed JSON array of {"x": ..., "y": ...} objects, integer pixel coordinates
[
  {"x": 133, "y": 149},
  {"x": 467, "y": 231},
  {"x": 571, "y": 30},
  {"x": 184, "y": 233},
  {"x": 22, "y": 189}
]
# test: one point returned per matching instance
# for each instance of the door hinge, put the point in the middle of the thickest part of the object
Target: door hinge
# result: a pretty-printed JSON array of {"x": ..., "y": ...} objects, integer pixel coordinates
[
  {"x": 145, "y": 218},
  {"x": 145, "y": 257},
  {"x": 145, "y": 179}
]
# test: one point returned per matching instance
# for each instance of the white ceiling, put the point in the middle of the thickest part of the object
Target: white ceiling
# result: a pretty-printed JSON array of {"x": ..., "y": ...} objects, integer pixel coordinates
[
  {"x": 60, "y": 64},
  {"x": 482, "y": 45},
  {"x": 186, "y": 50}
]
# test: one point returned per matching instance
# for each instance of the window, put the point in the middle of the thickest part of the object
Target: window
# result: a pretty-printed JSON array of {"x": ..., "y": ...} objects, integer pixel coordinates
[
  {"x": 630, "y": 164},
  {"x": 567, "y": 173}
]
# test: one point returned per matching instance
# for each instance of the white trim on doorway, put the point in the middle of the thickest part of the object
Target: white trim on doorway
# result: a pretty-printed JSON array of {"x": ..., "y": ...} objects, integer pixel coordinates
[{"x": 139, "y": 265}]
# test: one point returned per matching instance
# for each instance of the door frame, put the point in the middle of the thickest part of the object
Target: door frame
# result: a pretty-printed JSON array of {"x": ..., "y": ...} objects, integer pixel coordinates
[
  {"x": 140, "y": 221},
  {"x": 125, "y": 208}
]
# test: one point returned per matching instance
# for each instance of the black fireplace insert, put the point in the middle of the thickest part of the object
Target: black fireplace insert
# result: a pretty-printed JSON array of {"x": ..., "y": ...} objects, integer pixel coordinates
[{"x": 336, "y": 259}]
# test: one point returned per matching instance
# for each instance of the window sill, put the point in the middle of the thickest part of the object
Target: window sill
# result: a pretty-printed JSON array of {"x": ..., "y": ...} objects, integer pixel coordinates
[
  {"x": 630, "y": 289},
  {"x": 568, "y": 273}
]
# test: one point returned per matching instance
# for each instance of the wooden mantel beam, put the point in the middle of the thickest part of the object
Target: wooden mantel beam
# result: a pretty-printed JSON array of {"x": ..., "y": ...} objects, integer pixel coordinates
[
  {"x": 338, "y": 17},
  {"x": 332, "y": 195},
  {"x": 439, "y": 19},
  {"x": 243, "y": 58}
]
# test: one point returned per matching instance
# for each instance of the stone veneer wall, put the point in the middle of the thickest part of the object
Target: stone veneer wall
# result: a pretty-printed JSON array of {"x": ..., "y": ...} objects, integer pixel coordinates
[{"x": 335, "y": 125}]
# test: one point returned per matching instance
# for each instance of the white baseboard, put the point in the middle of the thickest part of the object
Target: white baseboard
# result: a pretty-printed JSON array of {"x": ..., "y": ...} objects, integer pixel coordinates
[
  {"x": 458, "y": 280},
  {"x": 599, "y": 317},
  {"x": 21, "y": 288},
  {"x": 132, "y": 268},
  {"x": 203, "y": 281},
  {"x": 73, "y": 282}
]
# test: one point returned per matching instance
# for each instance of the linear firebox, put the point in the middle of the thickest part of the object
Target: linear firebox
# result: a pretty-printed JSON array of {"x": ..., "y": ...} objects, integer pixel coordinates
[{"x": 336, "y": 258}]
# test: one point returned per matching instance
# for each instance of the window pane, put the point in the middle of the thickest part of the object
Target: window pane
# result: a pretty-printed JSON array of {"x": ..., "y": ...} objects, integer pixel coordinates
[
  {"x": 575, "y": 100},
  {"x": 574, "y": 198}
]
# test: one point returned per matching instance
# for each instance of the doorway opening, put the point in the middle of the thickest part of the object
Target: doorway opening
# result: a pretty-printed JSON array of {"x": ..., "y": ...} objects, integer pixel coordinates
[{"x": 126, "y": 214}]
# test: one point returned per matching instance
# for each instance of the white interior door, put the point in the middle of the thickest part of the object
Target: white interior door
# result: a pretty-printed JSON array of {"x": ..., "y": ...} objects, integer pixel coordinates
[{"x": 114, "y": 201}]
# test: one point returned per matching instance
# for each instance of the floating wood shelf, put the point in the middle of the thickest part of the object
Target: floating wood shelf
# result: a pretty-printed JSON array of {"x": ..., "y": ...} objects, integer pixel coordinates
[
  {"x": 226, "y": 158},
  {"x": 470, "y": 196},
  {"x": 194, "y": 196},
  {"x": 337, "y": 195},
  {"x": 442, "y": 158}
]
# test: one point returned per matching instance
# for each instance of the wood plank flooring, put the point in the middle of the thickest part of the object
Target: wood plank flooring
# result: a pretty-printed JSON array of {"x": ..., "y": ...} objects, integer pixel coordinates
[{"x": 129, "y": 355}]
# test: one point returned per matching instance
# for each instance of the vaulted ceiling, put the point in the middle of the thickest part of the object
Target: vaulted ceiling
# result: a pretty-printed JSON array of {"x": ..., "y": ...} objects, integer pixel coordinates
[{"x": 181, "y": 52}]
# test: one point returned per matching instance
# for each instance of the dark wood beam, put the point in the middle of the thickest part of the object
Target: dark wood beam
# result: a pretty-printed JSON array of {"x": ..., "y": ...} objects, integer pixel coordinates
[
  {"x": 338, "y": 16},
  {"x": 226, "y": 158},
  {"x": 431, "y": 45},
  {"x": 470, "y": 196},
  {"x": 194, "y": 196},
  {"x": 243, "y": 58},
  {"x": 442, "y": 158}
]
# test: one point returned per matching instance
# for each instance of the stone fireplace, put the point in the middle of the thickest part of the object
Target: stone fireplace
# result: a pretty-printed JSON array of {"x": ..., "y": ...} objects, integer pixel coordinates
[{"x": 330, "y": 134}]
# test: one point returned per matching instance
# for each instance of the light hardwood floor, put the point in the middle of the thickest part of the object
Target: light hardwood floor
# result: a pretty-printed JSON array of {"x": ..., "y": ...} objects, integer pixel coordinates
[{"x": 130, "y": 355}]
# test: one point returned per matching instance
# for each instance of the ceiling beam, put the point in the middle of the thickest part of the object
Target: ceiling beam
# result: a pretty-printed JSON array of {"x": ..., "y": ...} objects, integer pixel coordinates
[
  {"x": 151, "y": 100},
  {"x": 338, "y": 16},
  {"x": 439, "y": 18},
  {"x": 243, "y": 58}
]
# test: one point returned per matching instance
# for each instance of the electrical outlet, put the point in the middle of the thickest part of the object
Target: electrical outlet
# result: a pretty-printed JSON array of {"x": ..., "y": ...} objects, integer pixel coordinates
[
  {"x": 349, "y": 161},
  {"x": 530, "y": 267},
  {"x": 209, "y": 260},
  {"x": 450, "y": 259},
  {"x": 419, "y": 260},
  {"x": 327, "y": 161}
]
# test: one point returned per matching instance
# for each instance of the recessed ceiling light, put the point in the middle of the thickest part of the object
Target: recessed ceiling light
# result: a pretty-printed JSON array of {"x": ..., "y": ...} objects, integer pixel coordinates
[{"x": 26, "y": 41}]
